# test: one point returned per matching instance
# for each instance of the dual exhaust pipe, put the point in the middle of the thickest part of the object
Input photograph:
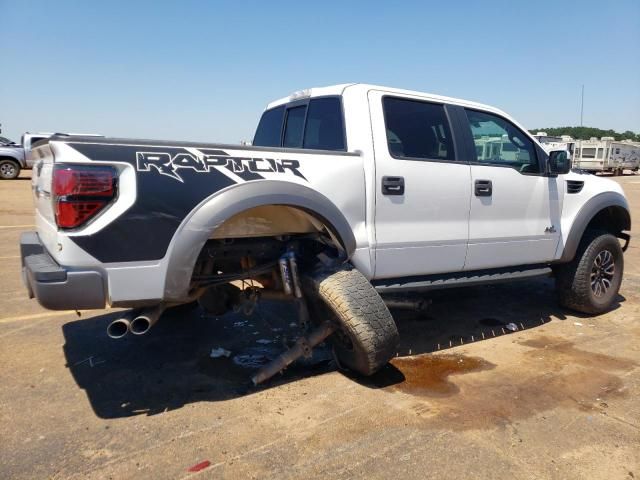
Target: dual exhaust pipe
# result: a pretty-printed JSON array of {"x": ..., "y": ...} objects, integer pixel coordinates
[{"x": 137, "y": 322}]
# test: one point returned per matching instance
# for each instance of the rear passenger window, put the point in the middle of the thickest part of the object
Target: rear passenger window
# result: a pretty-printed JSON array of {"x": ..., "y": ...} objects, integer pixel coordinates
[
  {"x": 417, "y": 129},
  {"x": 324, "y": 129},
  {"x": 294, "y": 127},
  {"x": 269, "y": 128},
  {"x": 317, "y": 124}
]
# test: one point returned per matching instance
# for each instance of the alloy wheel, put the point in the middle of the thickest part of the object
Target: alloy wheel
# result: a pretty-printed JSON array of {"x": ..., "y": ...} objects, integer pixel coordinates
[{"x": 602, "y": 273}]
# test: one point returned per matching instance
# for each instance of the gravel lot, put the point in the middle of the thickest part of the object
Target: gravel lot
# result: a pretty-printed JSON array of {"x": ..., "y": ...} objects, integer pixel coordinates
[{"x": 556, "y": 399}]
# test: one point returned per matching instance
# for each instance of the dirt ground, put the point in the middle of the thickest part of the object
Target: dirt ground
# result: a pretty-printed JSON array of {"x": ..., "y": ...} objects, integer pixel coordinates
[{"x": 464, "y": 399}]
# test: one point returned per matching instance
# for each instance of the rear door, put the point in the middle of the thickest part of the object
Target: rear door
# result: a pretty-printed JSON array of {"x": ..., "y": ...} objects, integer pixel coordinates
[
  {"x": 422, "y": 188},
  {"x": 515, "y": 207}
]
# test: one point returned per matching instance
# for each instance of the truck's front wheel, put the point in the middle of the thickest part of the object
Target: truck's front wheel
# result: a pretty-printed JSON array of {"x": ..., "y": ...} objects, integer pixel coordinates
[
  {"x": 9, "y": 169},
  {"x": 366, "y": 337},
  {"x": 590, "y": 282}
]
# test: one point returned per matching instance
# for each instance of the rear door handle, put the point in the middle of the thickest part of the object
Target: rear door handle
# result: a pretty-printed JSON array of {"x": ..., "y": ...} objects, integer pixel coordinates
[
  {"x": 483, "y": 188},
  {"x": 393, "y": 185}
]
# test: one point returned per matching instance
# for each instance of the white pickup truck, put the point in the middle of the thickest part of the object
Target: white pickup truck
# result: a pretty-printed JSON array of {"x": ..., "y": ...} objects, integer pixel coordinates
[{"x": 348, "y": 192}]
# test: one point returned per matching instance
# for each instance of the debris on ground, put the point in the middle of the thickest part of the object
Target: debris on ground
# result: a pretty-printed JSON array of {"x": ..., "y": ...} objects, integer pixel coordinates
[
  {"x": 219, "y": 352},
  {"x": 255, "y": 357},
  {"x": 200, "y": 466},
  {"x": 512, "y": 327}
]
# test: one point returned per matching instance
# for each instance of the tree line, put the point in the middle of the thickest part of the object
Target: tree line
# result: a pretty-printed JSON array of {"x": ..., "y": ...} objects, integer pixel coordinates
[{"x": 585, "y": 133}]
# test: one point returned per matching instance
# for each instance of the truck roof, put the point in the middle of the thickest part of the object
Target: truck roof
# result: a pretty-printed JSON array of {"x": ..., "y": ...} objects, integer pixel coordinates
[{"x": 340, "y": 90}]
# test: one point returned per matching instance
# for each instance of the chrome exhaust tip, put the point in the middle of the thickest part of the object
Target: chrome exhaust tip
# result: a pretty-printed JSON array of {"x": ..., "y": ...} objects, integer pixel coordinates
[
  {"x": 143, "y": 322},
  {"x": 118, "y": 328}
]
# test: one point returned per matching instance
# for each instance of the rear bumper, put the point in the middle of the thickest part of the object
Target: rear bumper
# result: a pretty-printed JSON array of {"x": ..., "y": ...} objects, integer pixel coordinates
[{"x": 54, "y": 286}]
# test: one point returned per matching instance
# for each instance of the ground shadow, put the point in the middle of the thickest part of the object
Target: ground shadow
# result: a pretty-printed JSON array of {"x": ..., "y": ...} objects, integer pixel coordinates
[{"x": 171, "y": 366}]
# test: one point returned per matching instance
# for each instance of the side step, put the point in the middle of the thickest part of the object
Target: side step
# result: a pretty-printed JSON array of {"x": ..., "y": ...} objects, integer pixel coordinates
[{"x": 460, "y": 279}]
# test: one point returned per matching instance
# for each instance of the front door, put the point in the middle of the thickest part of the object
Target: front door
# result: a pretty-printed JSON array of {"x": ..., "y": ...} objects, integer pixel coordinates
[
  {"x": 515, "y": 208},
  {"x": 422, "y": 189}
]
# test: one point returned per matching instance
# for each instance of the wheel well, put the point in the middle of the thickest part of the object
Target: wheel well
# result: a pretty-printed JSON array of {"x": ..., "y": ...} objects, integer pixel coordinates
[
  {"x": 611, "y": 215},
  {"x": 255, "y": 239},
  {"x": 11, "y": 159},
  {"x": 275, "y": 220},
  {"x": 198, "y": 228},
  {"x": 613, "y": 219}
]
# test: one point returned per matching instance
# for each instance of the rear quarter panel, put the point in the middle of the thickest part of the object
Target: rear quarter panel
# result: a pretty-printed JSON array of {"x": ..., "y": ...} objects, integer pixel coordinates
[
  {"x": 171, "y": 181},
  {"x": 163, "y": 184}
]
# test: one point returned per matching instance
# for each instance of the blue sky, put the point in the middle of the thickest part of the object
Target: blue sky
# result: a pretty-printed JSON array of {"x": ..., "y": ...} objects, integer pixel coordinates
[{"x": 205, "y": 70}]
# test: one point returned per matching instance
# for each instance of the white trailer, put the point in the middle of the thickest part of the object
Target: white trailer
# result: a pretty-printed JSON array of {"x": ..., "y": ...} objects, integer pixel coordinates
[
  {"x": 563, "y": 142},
  {"x": 606, "y": 155}
]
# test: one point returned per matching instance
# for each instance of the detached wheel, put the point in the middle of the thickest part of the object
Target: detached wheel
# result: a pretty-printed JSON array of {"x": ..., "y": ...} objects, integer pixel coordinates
[
  {"x": 9, "y": 169},
  {"x": 367, "y": 336},
  {"x": 591, "y": 281}
]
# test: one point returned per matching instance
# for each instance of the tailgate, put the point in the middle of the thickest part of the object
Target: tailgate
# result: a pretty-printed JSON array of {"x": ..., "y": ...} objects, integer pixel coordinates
[{"x": 41, "y": 189}]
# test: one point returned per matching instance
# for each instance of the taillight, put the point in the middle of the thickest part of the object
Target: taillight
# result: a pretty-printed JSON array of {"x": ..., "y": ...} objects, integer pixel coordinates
[{"x": 81, "y": 192}]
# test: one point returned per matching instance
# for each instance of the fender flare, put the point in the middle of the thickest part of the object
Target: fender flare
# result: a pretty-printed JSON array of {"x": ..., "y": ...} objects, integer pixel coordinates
[
  {"x": 197, "y": 228},
  {"x": 587, "y": 212}
]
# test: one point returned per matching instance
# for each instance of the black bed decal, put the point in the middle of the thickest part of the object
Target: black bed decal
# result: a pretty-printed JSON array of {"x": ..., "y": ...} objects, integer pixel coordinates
[{"x": 171, "y": 182}]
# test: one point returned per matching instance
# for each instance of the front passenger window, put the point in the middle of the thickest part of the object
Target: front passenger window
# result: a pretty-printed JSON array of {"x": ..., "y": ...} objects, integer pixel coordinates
[{"x": 499, "y": 142}]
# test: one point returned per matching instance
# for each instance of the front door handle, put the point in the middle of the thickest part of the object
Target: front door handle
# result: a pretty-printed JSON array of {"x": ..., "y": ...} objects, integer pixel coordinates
[
  {"x": 483, "y": 188},
  {"x": 393, "y": 185}
]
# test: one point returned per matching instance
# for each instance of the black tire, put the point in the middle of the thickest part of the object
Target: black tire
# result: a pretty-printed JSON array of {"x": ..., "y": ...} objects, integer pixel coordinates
[
  {"x": 9, "y": 169},
  {"x": 367, "y": 337},
  {"x": 582, "y": 283}
]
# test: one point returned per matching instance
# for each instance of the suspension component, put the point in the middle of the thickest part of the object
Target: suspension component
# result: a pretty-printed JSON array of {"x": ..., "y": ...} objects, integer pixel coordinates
[
  {"x": 293, "y": 266},
  {"x": 301, "y": 348},
  {"x": 285, "y": 273}
]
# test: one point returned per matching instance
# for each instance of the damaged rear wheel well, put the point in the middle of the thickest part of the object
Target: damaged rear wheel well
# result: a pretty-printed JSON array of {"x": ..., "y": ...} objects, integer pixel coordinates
[
  {"x": 198, "y": 230},
  {"x": 246, "y": 248},
  {"x": 276, "y": 221}
]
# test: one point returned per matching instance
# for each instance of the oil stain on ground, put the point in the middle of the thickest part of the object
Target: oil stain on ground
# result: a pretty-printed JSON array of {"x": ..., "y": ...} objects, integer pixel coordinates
[
  {"x": 551, "y": 373},
  {"x": 553, "y": 348},
  {"x": 427, "y": 375}
]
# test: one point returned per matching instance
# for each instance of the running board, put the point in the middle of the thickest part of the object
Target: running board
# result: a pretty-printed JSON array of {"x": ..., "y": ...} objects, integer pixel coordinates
[{"x": 460, "y": 279}]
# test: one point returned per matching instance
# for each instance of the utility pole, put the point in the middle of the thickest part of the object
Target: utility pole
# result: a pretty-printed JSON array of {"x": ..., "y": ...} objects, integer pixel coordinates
[{"x": 582, "y": 105}]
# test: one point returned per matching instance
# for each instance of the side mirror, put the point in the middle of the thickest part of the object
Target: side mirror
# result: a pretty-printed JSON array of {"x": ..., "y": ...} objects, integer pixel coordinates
[{"x": 559, "y": 162}]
